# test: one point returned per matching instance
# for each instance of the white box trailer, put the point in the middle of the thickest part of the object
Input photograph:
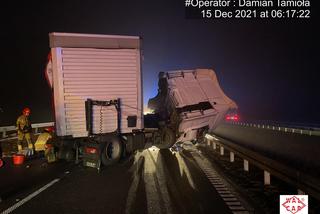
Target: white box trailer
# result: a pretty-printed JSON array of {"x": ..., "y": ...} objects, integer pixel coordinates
[
  {"x": 97, "y": 92},
  {"x": 96, "y": 67}
]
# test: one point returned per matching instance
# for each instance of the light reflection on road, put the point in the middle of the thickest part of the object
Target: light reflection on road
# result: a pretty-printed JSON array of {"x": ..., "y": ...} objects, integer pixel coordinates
[{"x": 150, "y": 168}]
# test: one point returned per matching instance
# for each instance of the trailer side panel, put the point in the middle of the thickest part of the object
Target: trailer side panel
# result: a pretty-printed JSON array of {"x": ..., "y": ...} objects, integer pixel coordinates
[{"x": 99, "y": 74}]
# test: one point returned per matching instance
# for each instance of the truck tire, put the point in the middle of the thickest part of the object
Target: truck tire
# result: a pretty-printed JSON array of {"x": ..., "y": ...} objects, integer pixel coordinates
[
  {"x": 111, "y": 151},
  {"x": 168, "y": 138},
  {"x": 67, "y": 154}
]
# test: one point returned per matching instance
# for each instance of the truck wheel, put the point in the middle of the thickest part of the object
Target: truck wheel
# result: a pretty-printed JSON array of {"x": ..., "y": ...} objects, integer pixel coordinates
[
  {"x": 112, "y": 151},
  {"x": 66, "y": 154},
  {"x": 168, "y": 138}
]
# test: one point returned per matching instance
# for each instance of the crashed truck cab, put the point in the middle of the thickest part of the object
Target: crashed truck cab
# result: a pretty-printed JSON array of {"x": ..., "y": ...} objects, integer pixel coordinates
[{"x": 190, "y": 103}]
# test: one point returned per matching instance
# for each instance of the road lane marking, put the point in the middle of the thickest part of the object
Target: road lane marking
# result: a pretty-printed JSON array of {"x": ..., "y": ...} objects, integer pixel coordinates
[
  {"x": 230, "y": 199},
  {"x": 237, "y": 208},
  {"x": 29, "y": 197},
  {"x": 215, "y": 179},
  {"x": 233, "y": 203}
]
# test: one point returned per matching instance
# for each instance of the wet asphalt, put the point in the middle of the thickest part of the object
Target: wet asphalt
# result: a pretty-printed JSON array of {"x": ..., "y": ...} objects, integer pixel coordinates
[{"x": 150, "y": 181}]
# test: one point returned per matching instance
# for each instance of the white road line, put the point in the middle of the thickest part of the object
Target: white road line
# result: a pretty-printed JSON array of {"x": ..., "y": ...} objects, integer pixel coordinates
[
  {"x": 219, "y": 186},
  {"x": 225, "y": 193},
  {"x": 216, "y": 183},
  {"x": 29, "y": 197},
  {"x": 230, "y": 199},
  {"x": 233, "y": 203},
  {"x": 237, "y": 208}
]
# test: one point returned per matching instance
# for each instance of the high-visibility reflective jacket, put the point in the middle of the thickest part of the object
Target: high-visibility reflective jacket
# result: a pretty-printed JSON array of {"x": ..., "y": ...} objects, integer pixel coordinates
[
  {"x": 23, "y": 124},
  {"x": 42, "y": 140}
]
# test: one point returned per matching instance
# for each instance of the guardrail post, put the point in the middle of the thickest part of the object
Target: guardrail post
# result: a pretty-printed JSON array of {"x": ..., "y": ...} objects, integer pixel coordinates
[
  {"x": 4, "y": 134},
  {"x": 310, "y": 133},
  {"x": 231, "y": 157},
  {"x": 245, "y": 165},
  {"x": 301, "y": 192},
  {"x": 214, "y": 145},
  {"x": 36, "y": 130},
  {"x": 221, "y": 150},
  {"x": 266, "y": 178}
]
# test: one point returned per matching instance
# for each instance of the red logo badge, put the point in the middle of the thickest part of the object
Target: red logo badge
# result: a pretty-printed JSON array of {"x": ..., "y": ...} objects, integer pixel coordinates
[{"x": 292, "y": 204}]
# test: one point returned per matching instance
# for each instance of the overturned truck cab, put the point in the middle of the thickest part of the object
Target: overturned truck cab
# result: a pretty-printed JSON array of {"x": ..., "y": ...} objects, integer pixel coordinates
[{"x": 189, "y": 104}]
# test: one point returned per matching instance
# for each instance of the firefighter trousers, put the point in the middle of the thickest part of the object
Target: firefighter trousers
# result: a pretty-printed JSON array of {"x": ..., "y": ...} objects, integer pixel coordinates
[{"x": 21, "y": 137}]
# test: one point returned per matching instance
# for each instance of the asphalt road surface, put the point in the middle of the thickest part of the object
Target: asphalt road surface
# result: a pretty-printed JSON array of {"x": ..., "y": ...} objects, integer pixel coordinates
[{"x": 151, "y": 181}]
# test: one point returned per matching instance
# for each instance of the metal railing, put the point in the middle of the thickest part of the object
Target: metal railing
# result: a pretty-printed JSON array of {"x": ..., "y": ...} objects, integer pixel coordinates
[
  {"x": 301, "y": 180},
  {"x": 299, "y": 129},
  {"x": 10, "y": 131}
]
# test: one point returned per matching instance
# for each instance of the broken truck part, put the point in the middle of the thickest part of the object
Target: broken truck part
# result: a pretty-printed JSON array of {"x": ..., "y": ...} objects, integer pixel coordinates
[{"x": 189, "y": 103}]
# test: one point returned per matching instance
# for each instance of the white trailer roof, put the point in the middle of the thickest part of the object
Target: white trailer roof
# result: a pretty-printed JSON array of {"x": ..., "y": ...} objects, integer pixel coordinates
[{"x": 76, "y": 40}]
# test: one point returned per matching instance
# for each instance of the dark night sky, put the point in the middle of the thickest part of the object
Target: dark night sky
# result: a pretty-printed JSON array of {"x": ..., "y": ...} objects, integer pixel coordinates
[{"x": 268, "y": 67}]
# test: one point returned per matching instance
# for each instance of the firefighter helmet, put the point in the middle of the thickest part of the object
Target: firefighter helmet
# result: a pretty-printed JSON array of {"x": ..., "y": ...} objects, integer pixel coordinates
[{"x": 26, "y": 111}]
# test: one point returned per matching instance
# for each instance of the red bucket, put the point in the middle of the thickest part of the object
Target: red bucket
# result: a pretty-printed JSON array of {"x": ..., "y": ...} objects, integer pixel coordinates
[{"x": 18, "y": 159}]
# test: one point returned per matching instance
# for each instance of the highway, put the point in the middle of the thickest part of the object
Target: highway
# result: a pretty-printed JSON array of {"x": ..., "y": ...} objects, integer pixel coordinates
[
  {"x": 185, "y": 179},
  {"x": 151, "y": 181}
]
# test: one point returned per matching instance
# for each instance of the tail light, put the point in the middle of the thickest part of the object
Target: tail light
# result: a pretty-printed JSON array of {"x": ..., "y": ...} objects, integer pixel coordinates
[
  {"x": 232, "y": 117},
  {"x": 91, "y": 150}
]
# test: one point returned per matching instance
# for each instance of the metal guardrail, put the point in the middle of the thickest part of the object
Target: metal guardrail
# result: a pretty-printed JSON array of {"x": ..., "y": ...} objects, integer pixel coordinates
[
  {"x": 307, "y": 130},
  {"x": 4, "y": 130},
  {"x": 295, "y": 177}
]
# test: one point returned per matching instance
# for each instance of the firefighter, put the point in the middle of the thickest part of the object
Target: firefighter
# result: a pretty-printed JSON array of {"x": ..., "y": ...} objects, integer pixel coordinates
[
  {"x": 24, "y": 129},
  {"x": 43, "y": 138}
]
